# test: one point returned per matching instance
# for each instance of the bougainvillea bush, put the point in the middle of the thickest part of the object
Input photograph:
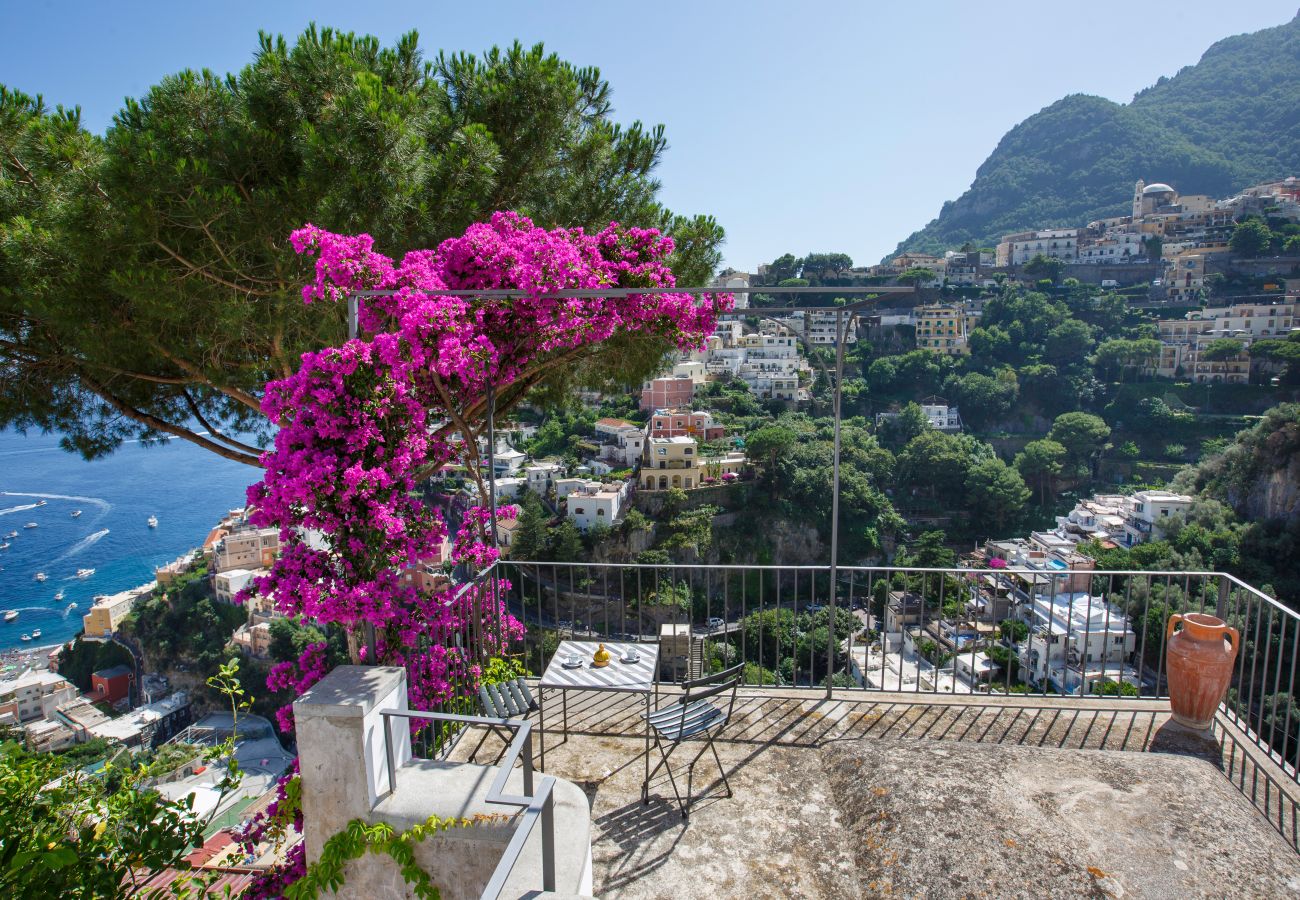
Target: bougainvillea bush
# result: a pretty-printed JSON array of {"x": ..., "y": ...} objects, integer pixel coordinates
[{"x": 362, "y": 424}]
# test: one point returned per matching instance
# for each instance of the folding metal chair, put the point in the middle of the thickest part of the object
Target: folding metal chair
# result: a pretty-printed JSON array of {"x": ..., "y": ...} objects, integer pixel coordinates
[
  {"x": 690, "y": 717},
  {"x": 506, "y": 700}
]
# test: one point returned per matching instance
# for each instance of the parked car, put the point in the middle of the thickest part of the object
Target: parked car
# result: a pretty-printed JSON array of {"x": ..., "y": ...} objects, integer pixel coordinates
[{"x": 715, "y": 623}]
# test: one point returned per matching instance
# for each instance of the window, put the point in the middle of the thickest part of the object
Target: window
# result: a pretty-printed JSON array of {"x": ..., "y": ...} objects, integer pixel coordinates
[
  {"x": 578, "y": 511},
  {"x": 1118, "y": 639},
  {"x": 687, "y": 451},
  {"x": 600, "y": 512},
  {"x": 663, "y": 451}
]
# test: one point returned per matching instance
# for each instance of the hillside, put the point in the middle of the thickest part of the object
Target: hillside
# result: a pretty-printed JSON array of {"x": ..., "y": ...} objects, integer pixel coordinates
[{"x": 1231, "y": 120}]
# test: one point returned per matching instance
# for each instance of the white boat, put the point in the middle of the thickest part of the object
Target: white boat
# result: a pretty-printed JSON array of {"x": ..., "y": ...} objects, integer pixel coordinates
[
  {"x": 85, "y": 573},
  {"x": 36, "y": 634},
  {"x": 75, "y": 513},
  {"x": 12, "y": 534},
  {"x": 27, "y": 637},
  {"x": 4, "y": 546},
  {"x": 59, "y": 595},
  {"x": 153, "y": 521},
  {"x": 11, "y": 615},
  {"x": 41, "y": 576},
  {"x": 31, "y": 525},
  {"x": 40, "y": 502},
  {"x": 72, "y": 605}
]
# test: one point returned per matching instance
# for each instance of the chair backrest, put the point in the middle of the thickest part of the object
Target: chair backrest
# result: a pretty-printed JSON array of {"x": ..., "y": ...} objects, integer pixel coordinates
[
  {"x": 507, "y": 700},
  {"x": 714, "y": 685}
]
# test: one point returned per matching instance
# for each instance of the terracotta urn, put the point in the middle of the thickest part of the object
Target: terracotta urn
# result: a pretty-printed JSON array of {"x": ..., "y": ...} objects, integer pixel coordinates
[{"x": 1198, "y": 660}]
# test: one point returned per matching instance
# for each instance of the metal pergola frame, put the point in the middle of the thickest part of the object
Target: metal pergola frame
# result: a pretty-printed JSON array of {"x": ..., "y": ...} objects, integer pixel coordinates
[{"x": 870, "y": 295}]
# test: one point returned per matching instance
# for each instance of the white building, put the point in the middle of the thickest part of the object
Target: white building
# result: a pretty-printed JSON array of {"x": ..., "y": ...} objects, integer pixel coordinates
[
  {"x": 940, "y": 416},
  {"x": 34, "y": 695},
  {"x": 509, "y": 488},
  {"x": 507, "y": 460},
  {"x": 729, "y": 332},
  {"x": 596, "y": 503},
  {"x": 735, "y": 281},
  {"x": 229, "y": 583},
  {"x": 1054, "y": 243},
  {"x": 1148, "y": 511},
  {"x": 621, "y": 442},
  {"x": 1075, "y": 640},
  {"x": 565, "y": 486},
  {"x": 695, "y": 370},
  {"x": 539, "y": 476},
  {"x": 822, "y": 327}
]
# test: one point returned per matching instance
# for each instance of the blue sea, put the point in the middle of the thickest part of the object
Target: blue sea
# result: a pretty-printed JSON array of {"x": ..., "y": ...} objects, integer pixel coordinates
[{"x": 188, "y": 489}]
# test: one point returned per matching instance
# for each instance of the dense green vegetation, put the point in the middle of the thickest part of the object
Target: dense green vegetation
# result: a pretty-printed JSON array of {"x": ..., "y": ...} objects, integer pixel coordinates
[
  {"x": 81, "y": 658},
  {"x": 1213, "y": 128},
  {"x": 185, "y": 625}
]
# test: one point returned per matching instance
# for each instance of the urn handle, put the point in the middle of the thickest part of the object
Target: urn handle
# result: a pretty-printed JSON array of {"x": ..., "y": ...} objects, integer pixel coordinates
[
  {"x": 1174, "y": 620},
  {"x": 1233, "y": 638}
]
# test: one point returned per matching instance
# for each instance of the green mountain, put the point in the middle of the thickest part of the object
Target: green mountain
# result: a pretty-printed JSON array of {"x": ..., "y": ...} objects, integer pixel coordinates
[{"x": 1229, "y": 121}]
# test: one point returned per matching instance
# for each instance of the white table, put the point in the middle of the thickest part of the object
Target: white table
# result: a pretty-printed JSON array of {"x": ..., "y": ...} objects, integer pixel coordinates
[{"x": 640, "y": 677}]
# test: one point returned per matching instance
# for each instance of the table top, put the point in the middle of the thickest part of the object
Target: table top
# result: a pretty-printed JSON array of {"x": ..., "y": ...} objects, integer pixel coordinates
[{"x": 637, "y": 677}]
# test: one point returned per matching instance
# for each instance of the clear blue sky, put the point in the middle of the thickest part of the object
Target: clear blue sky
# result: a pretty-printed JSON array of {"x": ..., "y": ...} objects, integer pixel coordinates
[{"x": 808, "y": 126}]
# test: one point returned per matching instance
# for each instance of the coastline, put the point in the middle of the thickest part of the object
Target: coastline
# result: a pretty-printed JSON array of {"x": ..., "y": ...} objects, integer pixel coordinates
[{"x": 30, "y": 657}]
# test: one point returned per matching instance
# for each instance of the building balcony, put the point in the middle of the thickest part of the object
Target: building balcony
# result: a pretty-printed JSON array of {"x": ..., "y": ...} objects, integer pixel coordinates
[{"x": 911, "y": 781}]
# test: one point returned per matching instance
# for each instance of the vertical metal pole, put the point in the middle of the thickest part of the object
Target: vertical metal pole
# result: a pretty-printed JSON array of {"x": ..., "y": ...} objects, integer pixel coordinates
[
  {"x": 548, "y": 839},
  {"x": 368, "y": 630},
  {"x": 492, "y": 460},
  {"x": 835, "y": 502}
]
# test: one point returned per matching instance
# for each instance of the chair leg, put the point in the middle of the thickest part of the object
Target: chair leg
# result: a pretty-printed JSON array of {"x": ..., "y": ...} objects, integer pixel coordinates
[
  {"x": 479, "y": 746},
  {"x": 721, "y": 769},
  {"x": 664, "y": 764}
]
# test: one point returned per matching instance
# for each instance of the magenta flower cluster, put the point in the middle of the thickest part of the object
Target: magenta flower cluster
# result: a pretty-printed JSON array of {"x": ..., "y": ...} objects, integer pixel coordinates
[{"x": 363, "y": 423}]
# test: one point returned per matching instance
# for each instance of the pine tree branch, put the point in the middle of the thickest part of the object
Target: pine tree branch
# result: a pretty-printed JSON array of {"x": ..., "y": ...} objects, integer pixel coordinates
[
  {"x": 212, "y": 429},
  {"x": 158, "y": 424}
]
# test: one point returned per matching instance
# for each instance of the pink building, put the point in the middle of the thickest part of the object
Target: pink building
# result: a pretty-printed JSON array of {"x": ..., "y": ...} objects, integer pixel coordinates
[
  {"x": 667, "y": 393},
  {"x": 685, "y": 423}
]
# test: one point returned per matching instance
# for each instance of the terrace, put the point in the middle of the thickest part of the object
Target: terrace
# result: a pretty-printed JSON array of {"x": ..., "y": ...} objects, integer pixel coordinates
[{"x": 947, "y": 781}]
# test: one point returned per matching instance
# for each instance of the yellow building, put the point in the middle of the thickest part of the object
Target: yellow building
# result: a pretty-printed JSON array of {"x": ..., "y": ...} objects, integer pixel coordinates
[
  {"x": 675, "y": 462},
  {"x": 110, "y": 609},
  {"x": 944, "y": 329}
]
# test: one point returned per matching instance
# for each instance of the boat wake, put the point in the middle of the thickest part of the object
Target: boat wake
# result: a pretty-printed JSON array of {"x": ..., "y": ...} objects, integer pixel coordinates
[
  {"x": 14, "y": 509},
  {"x": 83, "y": 544},
  {"x": 98, "y": 501},
  {"x": 34, "y": 609}
]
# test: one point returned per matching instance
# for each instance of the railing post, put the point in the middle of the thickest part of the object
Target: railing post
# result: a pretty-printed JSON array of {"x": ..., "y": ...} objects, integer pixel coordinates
[
  {"x": 1221, "y": 604},
  {"x": 528, "y": 761},
  {"x": 548, "y": 840},
  {"x": 388, "y": 752}
]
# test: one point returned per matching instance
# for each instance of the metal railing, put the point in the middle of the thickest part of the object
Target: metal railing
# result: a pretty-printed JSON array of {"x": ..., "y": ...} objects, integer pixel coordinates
[
  {"x": 1035, "y": 631},
  {"x": 535, "y": 805}
]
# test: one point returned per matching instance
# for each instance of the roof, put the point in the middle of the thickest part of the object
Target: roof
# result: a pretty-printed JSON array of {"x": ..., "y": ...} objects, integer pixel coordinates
[
  {"x": 115, "y": 672},
  {"x": 1158, "y": 188},
  {"x": 614, "y": 423},
  {"x": 30, "y": 678}
]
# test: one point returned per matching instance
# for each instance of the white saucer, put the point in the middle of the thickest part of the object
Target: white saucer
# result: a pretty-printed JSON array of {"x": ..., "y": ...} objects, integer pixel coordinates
[{"x": 631, "y": 657}]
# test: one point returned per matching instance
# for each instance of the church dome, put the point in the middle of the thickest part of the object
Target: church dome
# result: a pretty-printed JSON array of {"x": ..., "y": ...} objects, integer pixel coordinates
[{"x": 1157, "y": 188}]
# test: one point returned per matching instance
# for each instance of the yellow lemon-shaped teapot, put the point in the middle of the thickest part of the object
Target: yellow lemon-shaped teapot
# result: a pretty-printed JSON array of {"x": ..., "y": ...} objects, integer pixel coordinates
[{"x": 600, "y": 657}]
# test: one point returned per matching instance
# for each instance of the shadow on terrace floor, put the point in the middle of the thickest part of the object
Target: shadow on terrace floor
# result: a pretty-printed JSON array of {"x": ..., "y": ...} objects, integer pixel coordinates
[{"x": 804, "y": 821}]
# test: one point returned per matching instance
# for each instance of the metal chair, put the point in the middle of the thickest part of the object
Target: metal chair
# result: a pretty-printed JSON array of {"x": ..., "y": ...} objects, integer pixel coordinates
[
  {"x": 692, "y": 716},
  {"x": 506, "y": 700}
]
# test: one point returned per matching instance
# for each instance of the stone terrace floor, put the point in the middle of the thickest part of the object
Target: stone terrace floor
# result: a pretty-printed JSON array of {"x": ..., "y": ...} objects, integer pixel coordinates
[{"x": 929, "y": 796}]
